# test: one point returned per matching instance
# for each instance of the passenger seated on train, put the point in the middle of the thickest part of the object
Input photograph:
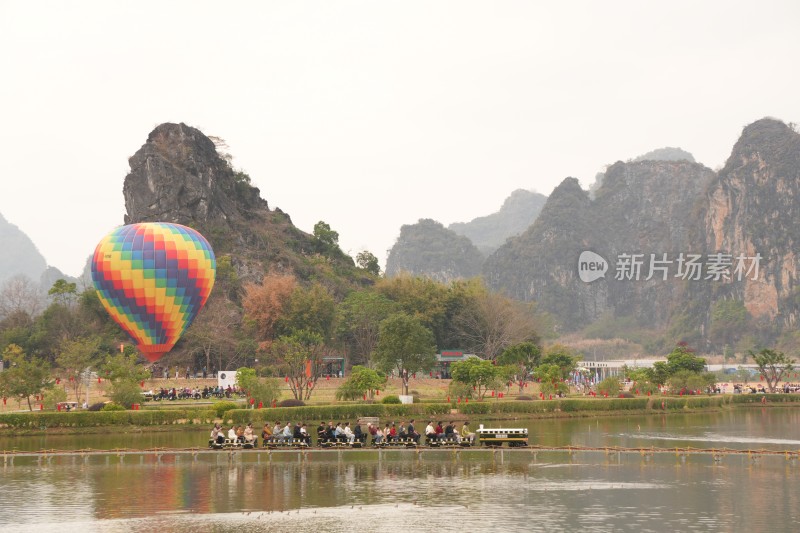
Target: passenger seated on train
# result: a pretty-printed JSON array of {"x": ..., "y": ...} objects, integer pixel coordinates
[
  {"x": 321, "y": 432},
  {"x": 287, "y": 433},
  {"x": 249, "y": 436},
  {"x": 359, "y": 435},
  {"x": 217, "y": 434},
  {"x": 277, "y": 432},
  {"x": 466, "y": 433},
  {"x": 232, "y": 434},
  {"x": 266, "y": 434},
  {"x": 375, "y": 432},
  {"x": 348, "y": 433},
  {"x": 338, "y": 431},
  {"x": 449, "y": 431},
  {"x": 304, "y": 435},
  {"x": 330, "y": 433},
  {"x": 240, "y": 434},
  {"x": 439, "y": 431},
  {"x": 412, "y": 433},
  {"x": 430, "y": 431},
  {"x": 297, "y": 434},
  {"x": 387, "y": 433}
]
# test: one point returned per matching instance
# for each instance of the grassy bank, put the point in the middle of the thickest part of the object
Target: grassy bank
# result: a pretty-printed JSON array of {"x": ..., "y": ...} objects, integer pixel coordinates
[{"x": 83, "y": 421}]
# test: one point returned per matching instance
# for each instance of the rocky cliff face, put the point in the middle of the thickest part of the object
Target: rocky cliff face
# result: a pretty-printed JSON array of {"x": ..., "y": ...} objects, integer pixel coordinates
[
  {"x": 429, "y": 249},
  {"x": 178, "y": 176},
  {"x": 753, "y": 207},
  {"x": 539, "y": 264},
  {"x": 642, "y": 211},
  {"x": 685, "y": 248}
]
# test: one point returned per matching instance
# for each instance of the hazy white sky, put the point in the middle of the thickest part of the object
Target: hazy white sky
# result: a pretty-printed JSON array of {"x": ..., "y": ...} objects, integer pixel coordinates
[{"x": 373, "y": 114}]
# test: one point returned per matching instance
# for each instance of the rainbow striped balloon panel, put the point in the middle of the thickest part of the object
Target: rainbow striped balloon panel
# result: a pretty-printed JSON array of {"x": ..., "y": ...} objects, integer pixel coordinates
[{"x": 153, "y": 278}]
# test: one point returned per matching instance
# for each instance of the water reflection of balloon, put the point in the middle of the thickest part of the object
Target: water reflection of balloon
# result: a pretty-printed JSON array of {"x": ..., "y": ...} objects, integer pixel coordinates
[{"x": 153, "y": 278}]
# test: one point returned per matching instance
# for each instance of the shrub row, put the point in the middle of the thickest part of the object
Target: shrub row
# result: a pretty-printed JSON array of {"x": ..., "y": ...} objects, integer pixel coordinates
[
  {"x": 758, "y": 398},
  {"x": 106, "y": 418},
  {"x": 311, "y": 414}
]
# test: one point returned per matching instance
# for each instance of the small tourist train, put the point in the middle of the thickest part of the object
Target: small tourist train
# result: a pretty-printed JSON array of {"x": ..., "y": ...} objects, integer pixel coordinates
[{"x": 486, "y": 437}]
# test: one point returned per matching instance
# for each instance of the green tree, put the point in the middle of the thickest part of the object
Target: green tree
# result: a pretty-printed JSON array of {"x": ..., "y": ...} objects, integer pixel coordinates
[
  {"x": 477, "y": 373},
  {"x": 659, "y": 374},
  {"x": 75, "y": 358},
  {"x": 309, "y": 308},
  {"x": 361, "y": 382},
  {"x": 25, "y": 377},
  {"x": 690, "y": 380},
  {"x": 562, "y": 357},
  {"x": 642, "y": 380},
  {"x": 405, "y": 345},
  {"x": 772, "y": 365},
  {"x": 368, "y": 262},
  {"x": 422, "y": 298},
  {"x": 301, "y": 355},
  {"x": 551, "y": 380},
  {"x": 63, "y": 293},
  {"x": 609, "y": 386},
  {"x": 683, "y": 358},
  {"x": 525, "y": 356},
  {"x": 358, "y": 320},
  {"x": 324, "y": 233},
  {"x": 262, "y": 391},
  {"x": 125, "y": 373}
]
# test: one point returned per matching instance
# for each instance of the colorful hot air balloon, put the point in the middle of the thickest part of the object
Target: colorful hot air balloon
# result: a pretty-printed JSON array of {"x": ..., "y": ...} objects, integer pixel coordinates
[{"x": 153, "y": 278}]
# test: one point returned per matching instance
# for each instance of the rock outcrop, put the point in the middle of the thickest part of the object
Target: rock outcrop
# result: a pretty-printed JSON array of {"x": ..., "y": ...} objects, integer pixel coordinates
[
  {"x": 753, "y": 207},
  {"x": 178, "y": 176},
  {"x": 429, "y": 249}
]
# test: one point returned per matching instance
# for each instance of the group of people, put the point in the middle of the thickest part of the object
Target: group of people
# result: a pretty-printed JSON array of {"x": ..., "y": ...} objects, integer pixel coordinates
[
  {"x": 285, "y": 434},
  {"x": 342, "y": 432},
  {"x": 242, "y": 434}
]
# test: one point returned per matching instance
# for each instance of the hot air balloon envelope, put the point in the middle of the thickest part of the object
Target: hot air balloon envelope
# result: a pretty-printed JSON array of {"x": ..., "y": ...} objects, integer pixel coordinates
[{"x": 153, "y": 278}]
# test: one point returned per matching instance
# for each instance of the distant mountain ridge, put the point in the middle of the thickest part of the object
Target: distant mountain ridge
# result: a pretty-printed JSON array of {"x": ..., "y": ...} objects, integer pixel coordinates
[
  {"x": 746, "y": 213},
  {"x": 429, "y": 249},
  {"x": 517, "y": 213},
  {"x": 20, "y": 255}
]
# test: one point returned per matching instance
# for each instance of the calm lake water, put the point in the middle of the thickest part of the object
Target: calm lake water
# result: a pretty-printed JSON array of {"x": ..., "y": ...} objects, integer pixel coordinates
[{"x": 442, "y": 490}]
